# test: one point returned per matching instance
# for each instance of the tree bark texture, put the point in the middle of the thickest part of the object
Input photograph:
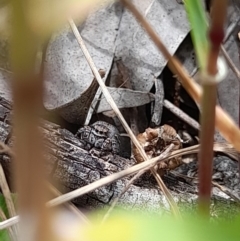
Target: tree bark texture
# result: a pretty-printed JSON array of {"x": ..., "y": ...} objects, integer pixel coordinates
[{"x": 70, "y": 167}]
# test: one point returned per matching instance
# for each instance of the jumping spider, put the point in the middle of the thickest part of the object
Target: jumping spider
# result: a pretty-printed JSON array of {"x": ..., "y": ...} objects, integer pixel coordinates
[{"x": 100, "y": 139}]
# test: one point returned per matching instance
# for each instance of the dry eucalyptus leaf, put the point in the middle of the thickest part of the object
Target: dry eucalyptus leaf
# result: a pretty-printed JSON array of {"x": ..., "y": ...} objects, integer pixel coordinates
[
  {"x": 136, "y": 49},
  {"x": 68, "y": 74},
  {"x": 155, "y": 141},
  {"x": 76, "y": 111},
  {"x": 125, "y": 98}
]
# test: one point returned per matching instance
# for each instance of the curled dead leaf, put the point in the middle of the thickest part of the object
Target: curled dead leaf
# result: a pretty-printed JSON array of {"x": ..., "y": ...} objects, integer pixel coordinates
[{"x": 155, "y": 141}]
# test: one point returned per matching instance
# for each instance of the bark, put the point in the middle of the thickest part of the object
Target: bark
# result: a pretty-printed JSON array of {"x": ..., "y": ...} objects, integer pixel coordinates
[{"x": 70, "y": 167}]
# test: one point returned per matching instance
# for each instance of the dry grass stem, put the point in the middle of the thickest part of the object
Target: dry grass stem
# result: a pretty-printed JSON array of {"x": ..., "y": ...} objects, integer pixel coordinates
[
  {"x": 112, "y": 178},
  {"x": 10, "y": 229},
  {"x": 218, "y": 147},
  {"x": 118, "y": 113},
  {"x": 116, "y": 176},
  {"x": 7, "y": 193},
  {"x": 69, "y": 205},
  {"x": 182, "y": 115},
  {"x": 5, "y": 149},
  {"x": 135, "y": 177},
  {"x": 220, "y": 187},
  {"x": 9, "y": 222},
  {"x": 223, "y": 121},
  {"x": 8, "y": 198},
  {"x": 227, "y": 191},
  {"x": 230, "y": 63},
  {"x": 114, "y": 203}
]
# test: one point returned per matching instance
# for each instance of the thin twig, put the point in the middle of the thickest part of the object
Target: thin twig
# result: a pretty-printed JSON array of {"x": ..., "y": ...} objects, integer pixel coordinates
[
  {"x": 226, "y": 191},
  {"x": 230, "y": 63},
  {"x": 120, "y": 116},
  {"x": 182, "y": 115}
]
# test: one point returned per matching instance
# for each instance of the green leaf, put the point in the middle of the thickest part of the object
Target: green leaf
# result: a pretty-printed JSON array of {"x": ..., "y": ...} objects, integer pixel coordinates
[{"x": 198, "y": 21}]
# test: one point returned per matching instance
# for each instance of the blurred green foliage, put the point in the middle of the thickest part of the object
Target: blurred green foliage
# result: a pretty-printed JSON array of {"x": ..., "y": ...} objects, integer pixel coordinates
[
  {"x": 121, "y": 227},
  {"x": 4, "y": 233},
  {"x": 198, "y": 21}
]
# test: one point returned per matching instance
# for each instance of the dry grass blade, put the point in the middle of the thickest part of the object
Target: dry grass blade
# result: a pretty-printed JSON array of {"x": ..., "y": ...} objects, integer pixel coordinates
[
  {"x": 227, "y": 191},
  {"x": 116, "y": 176},
  {"x": 223, "y": 121},
  {"x": 9, "y": 222},
  {"x": 70, "y": 206},
  {"x": 219, "y": 147},
  {"x": 6, "y": 149},
  {"x": 227, "y": 149},
  {"x": 118, "y": 113},
  {"x": 230, "y": 63},
  {"x": 8, "y": 198},
  {"x": 135, "y": 177},
  {"x": 168, "y": 195},
  {"x": 114, "y": 203},
  {"x": 10, "y": 229},
  {"x": 220, "y": 187}
]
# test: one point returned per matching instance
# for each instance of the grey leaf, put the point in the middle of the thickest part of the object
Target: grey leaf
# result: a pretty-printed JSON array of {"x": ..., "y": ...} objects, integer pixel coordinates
[
  {"x": 67, "y": 72},
  {"x": 125, "y": 98},
  {"x": 136, "y": 49}
]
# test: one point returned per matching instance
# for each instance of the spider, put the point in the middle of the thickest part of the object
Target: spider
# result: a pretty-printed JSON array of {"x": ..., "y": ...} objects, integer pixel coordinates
[{"x": 100, "y": 138}]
